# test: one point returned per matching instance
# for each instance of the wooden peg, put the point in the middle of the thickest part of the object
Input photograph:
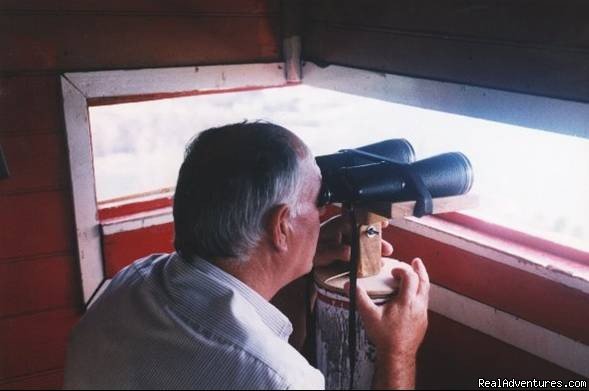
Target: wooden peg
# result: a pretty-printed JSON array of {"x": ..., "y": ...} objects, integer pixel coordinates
[{"x": 369, "y": 242}]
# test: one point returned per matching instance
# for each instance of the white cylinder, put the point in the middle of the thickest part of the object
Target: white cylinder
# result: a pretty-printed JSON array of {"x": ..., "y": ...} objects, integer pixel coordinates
[{"x": 331, "y": 329}]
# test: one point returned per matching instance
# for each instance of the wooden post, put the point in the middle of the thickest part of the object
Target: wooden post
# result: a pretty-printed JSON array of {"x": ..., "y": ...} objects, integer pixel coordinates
[{"x": 369, "y": 242}]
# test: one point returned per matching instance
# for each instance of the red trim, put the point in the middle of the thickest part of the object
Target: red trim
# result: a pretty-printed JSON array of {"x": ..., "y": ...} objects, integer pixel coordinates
[
  {"x": 113, "y": 100},
  {"x": 127, "y": 209},
  {"x": 123, "y": 248},
  {"x": 518, "y": 237}
]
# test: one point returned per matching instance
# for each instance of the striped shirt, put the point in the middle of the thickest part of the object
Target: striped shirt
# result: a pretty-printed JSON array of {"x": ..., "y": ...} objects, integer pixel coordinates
[{"x": 164, "y": 323}]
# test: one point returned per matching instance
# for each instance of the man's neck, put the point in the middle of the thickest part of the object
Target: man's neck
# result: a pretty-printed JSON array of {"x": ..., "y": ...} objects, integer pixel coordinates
[{"x": 256, "y": 272}]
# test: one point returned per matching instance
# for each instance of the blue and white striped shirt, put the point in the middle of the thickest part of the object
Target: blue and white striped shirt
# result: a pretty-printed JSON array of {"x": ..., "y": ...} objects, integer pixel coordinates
[{"x": 164, "y": 323}]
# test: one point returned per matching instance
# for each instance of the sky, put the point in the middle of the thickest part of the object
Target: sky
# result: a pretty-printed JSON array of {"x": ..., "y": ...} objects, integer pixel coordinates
[{"x": 526, "y": 178}]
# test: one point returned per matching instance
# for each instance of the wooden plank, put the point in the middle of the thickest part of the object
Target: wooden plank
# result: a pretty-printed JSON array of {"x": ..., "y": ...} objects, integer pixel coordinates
[
  {"x": 37, "y": 285},
  {"x": 49, "y": 380},
  {"x": 89, "y": 252},
  {"x": 510, "y": 22},
  {"x": 399, "y": 210},
  {"x": 123, "y": 248},
  {"x": 177, "y": 81},
  {"x": 230, "y": 7},
  {"x": 538, "y": 300},
  {"x": 456, "y": 356},
  {"x": 30, "y": 104},
  {"x": 37, "y": 161},
  {"x": 123, "y": 42},
  {"x": 559, "y": 73},
  {"x": 36, "y": 223},
  {"x": 34, "y": 343},
  {"x": 536, "y": 112},
  {"x": 369, "y": 243}
]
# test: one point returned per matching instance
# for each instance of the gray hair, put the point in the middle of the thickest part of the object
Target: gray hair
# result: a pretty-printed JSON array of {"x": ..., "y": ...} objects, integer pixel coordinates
[{"x": 231, "y": 177}]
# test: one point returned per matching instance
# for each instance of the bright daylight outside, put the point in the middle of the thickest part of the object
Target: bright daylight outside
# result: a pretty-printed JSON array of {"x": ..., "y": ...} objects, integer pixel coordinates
[{"x": 527, "y": 179}]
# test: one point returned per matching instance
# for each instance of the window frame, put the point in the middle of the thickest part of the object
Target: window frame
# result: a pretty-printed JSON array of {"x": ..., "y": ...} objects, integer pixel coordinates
[{"x": 81, "y": 90}]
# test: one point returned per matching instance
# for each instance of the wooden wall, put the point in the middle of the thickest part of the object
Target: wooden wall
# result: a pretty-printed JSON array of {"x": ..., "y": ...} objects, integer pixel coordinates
[
  {"x": 40, "y": 298},
  {"x": 530, "y": 46}
]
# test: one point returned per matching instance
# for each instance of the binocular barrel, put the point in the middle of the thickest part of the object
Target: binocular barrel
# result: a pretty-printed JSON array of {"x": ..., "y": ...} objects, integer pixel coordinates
[
  {"x": 352, "y": 177},
  {"x": 399, "y": 150},
  {"x": 444, "y": 175}
]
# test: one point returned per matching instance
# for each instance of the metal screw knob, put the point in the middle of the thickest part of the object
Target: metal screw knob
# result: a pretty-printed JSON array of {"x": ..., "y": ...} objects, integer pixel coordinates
[{"x": 372, "y": 232}]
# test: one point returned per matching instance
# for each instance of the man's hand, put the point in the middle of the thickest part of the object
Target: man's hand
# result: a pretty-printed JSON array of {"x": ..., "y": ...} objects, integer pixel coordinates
[
  {"x": 334, "y": 241},
  {"x": 398, "y": 327}
]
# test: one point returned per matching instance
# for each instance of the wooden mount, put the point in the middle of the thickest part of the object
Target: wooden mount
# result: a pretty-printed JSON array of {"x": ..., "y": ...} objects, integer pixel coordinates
[
  {"x": 369, "y": 218},
  {"x": 369, "y": 242}
]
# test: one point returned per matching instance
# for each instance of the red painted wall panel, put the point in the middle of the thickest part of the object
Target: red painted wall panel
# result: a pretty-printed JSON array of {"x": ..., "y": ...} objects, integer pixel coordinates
[
  {"x": 36, "y": 223},
  {"x": 86, "y": 41},
  {"x": 37, "y": 161},
  {"x": 34, "y": 343},
  {"x": 455, "y": 356},
  {"x": 536, "y": 299},
  {"x": 123, "y": 248},
  {"x": 38, "y": 285},
  {"x": 30, "y": 103}
]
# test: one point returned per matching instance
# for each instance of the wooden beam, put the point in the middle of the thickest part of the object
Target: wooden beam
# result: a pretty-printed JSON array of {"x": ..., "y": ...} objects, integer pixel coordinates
[{"x": 399, "y": 210}]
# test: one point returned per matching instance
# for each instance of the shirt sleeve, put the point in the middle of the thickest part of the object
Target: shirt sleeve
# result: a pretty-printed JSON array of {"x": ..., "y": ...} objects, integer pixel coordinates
[{"x": 312, "y": 380}]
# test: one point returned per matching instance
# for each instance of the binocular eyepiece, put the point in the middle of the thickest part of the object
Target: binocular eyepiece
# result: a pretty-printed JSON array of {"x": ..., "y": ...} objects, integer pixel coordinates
[{"x": 387, "y": 171}]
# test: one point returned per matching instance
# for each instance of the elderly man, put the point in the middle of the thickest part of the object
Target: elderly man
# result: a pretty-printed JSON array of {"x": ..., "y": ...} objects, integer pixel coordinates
[{"x": 246, "y": 225}]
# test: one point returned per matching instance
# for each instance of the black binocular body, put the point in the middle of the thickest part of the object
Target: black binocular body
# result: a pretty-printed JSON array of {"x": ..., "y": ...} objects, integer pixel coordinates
[{"x": 387, "y": 171}]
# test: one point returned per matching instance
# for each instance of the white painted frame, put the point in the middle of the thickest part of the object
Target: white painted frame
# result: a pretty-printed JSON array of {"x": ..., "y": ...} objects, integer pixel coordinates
[
  {"x": 79, "y": 88},
  {"x": 536, "y": 112}
]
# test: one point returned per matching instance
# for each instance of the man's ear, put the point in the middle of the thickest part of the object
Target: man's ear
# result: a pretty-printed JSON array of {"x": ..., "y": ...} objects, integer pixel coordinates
[{"x": 279, "y": 226}]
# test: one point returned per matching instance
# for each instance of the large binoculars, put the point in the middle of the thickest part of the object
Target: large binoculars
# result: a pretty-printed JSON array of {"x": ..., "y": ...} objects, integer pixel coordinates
[{"x": 387, "y": 171}]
